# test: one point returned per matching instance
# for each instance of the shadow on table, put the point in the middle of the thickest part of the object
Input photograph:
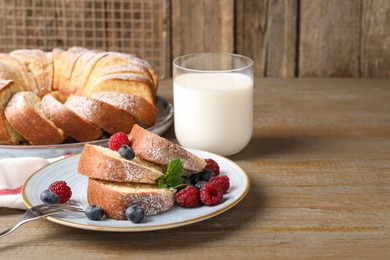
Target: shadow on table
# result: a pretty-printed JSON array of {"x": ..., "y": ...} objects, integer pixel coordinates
[
  {"x": 191, "y": 236},
  {"x": 220, "y": 227}
]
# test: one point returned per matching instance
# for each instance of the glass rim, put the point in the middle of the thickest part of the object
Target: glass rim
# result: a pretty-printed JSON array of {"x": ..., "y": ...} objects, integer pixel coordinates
[{"x": 213, "y": 71}]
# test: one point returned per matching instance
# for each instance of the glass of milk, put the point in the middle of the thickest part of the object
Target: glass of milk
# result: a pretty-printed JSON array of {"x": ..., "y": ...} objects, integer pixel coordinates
[{"x": 213, "y": 101}]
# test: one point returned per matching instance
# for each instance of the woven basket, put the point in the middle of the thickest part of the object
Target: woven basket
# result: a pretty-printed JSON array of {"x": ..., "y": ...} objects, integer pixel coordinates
[{"x": 136, "y": 26}]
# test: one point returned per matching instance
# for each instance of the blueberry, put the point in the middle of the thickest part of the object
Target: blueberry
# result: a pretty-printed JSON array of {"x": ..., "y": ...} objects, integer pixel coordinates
[
  {"x": 126, "y": 152},
  {"x": 186, "y": 180},
  {"x": 94, "y": 212},
  {"x": 206, "y": 175},
  {"x": 135, "y": 213},
  {"x": 49, "y": 197},
  {"x": 199, "y": 184},
  {"x": 194, "y": 178}
]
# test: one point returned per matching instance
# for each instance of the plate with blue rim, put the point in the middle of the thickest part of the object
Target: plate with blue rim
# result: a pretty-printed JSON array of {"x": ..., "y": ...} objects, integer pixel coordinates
[{"x": 66, "y": 169}]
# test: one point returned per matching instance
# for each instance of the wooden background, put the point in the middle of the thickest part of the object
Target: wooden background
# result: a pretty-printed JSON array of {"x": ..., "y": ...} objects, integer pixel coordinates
[
  {"x": 290, "y": 38},
  {"x": 285, "y": 38}
]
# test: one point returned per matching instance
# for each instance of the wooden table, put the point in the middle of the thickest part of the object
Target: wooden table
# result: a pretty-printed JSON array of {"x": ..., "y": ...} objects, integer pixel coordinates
[{"x": 319, "y": 164}]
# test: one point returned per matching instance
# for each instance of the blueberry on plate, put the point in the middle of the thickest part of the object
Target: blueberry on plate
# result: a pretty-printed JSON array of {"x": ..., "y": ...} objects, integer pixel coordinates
[
  {"x": 194, "y": 178},
  {"x": 135, "y": 213},
  {"x": 206, "y": 175},
  {"x": 199, "y": 184},
  {"x": 49, "y": 197},
  {"x": 186, "y": 180},
  {"x": 94, "y": 212}
]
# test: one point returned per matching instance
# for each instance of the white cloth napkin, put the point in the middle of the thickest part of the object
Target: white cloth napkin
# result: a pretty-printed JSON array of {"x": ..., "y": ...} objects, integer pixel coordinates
[{"x": 13, "y": 173}]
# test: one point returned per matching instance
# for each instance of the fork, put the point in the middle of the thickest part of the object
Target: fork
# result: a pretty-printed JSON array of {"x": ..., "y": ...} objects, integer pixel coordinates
[{"x": 40, "y": 211}]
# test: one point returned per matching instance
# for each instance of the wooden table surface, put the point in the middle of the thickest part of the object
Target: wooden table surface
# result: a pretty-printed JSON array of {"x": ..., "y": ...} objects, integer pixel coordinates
[{"x": 319, "y": 164}]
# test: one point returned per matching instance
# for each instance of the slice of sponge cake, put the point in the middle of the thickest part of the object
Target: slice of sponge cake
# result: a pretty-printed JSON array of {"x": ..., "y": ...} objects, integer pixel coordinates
[
  {"x": 102, "y": 163},
  {"x": 116, "y": 197},
  {"x": 157, "y": 149}
]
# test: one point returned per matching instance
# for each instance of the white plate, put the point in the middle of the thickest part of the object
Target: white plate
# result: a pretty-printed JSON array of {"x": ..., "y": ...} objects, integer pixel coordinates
[
  {"x": 163, "y": 122},
  {"x": 66, "y": 169}
]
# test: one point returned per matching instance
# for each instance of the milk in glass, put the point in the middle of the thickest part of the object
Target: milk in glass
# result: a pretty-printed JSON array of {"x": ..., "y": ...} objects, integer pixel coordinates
[{"x": 213, "y": 111}]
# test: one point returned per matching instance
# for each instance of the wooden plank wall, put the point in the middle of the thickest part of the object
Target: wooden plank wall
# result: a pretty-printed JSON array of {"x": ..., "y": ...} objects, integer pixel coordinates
[{"x": 289, "y": 38}]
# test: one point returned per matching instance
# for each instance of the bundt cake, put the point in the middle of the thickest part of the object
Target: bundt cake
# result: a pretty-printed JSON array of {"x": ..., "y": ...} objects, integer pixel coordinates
[{"x": 74, "y": 94}]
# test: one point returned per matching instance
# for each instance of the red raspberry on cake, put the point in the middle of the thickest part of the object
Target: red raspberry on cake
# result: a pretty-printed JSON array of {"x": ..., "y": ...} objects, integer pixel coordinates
[
  {"x": 188, "y": 197},
  {"x": 62, "y": 190},
  {"x": 211, "y": 194},
  {"x": 117, "y": 140},
  {"x": 212, "y": 165},
  {"x": 221, "y": 181}
]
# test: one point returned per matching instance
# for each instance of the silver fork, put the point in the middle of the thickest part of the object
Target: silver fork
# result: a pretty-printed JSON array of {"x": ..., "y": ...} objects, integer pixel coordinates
[{"x": 40, "y": 211}]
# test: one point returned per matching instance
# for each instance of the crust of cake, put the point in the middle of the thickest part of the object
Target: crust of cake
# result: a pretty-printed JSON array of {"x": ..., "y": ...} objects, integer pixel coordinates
[
  {"x": 35, "y": 61},
  {"x": 119, "y": 58},
  {"x": 69, "y": 60},
  {"x": 157, "y": 149},
  {"x": 57, "y": 68},
  {"x": 101, "y": 114},
  {"x": 25, "y": 115},
  {"x": 11, "y": 73},
  {"x": 7, "y": 134},
  {"x": 107, "y": 66},
  {"x": 71, "y": 123},
  {"x": 29, "y": 82},
  {"x": 83, "y": 68},
  {"x": 145, "y": 113},
  {"x": 125, "y": 83}
]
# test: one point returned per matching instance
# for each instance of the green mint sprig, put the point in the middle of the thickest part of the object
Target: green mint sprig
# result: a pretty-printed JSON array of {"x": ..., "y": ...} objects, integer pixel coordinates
[{"x": 172, "y": 178}]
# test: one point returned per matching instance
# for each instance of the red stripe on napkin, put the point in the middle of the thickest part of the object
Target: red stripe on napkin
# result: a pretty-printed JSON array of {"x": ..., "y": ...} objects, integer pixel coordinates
[{"x": 11, "y": 191}]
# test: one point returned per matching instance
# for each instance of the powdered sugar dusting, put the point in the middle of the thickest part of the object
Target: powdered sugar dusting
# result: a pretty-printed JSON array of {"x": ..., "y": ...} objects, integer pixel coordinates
[
  {"x": 152, "y": 147},
  {"x": 83, "y": 106}
]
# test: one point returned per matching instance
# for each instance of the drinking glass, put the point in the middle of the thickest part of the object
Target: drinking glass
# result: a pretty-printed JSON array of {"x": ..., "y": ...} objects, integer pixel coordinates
[{"x": 213, "y": 101}]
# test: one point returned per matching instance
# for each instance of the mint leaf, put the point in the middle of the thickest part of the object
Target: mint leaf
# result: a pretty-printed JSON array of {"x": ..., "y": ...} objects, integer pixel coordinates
[
  {"x": 172, "y": 178},
  {"x": 162, "y": 184},
  {"x": 180, "y": 186}
]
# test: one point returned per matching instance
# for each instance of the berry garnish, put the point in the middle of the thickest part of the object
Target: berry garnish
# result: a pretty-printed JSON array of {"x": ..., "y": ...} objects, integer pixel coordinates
[
  {"x": 117, "y": 140},
  {"x": 212, "y": 165},
  {"x": 126, "y": 152},
  {"x": 206, "y": 175},
  {"x": 135, "y": 213},
  {"x": 62, "y": 190},
  {"x": 94, "y": 212},
  {"x": 194, "y": 178},
  {"x": 221, "y": 181},
  {"x": 49, "y": 197},
  {"x": 188, "y": 197},
  {"x": 186, "y": 180},
  {"x": 199, "y": 184},
  {"x": 210, "y": 194}
]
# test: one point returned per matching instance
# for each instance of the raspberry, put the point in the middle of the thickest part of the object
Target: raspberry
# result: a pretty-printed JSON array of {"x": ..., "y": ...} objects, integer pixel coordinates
[
  {"x": 188, "y": 197},
  {"x": 221, "y": 181},
  {"x": 210, "y": 194},
  {"x": 62, "y": 190},
  {"x": 212, "y": 165},
  {"x": 117, "y": 140}
]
